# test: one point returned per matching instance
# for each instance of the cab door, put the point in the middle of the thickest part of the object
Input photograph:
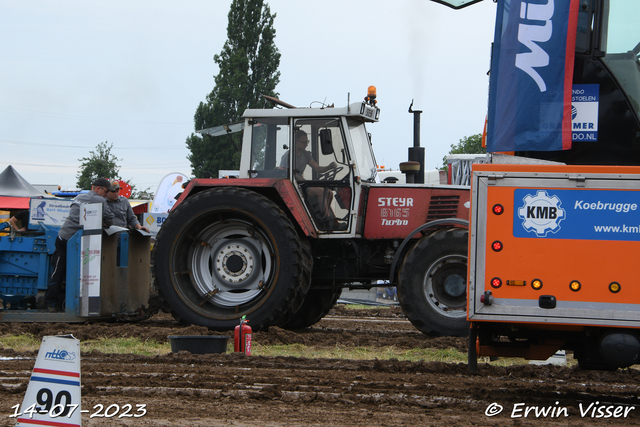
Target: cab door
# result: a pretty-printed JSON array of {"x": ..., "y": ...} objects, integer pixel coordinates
[{"x": 322, "y": 172}]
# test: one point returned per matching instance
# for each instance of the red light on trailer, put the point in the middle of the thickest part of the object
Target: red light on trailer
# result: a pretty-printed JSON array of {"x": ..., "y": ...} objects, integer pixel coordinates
[
  {"x": 496, "y": 282},
  {"x": 496, "y": 246},
  {"x": 497, "y": 209}
]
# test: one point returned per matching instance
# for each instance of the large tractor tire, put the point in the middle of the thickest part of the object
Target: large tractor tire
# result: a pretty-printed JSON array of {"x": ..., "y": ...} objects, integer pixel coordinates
[
  {"x": 432, "y": 287},
  {"x": 307, "y": 260},
  {"x": 316, "y": 305},
  {"x": 228, "y": 252}
]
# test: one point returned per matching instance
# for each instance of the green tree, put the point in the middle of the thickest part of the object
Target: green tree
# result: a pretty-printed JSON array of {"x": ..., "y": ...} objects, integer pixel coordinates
[
  {"x": 99, "y": 164},
  {"x": 467, "y": 145},
  {"x": 248, "y": 68},
  {"x": 140, "y": 195}
]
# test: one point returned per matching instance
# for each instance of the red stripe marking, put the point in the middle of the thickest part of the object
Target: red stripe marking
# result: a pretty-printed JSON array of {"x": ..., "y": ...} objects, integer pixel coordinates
[
  {"x": 54, "y": 372},
  {"x": 46, "y": 423}
]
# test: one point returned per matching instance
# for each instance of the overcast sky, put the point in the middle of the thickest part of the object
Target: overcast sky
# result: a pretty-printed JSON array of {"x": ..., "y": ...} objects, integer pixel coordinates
[{"x": 76, "y": 73}]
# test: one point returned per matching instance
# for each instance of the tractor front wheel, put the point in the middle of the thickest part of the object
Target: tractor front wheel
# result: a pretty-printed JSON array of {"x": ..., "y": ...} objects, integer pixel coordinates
[{"x": 228, "y": 252}]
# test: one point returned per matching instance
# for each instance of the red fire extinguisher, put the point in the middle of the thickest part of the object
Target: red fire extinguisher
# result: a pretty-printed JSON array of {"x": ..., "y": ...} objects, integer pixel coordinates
[{"x": 242, "y": 337}]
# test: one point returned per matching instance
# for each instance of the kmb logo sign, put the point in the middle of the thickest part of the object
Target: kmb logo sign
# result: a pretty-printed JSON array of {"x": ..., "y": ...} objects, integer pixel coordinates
[{"x": 541, "y": 213}]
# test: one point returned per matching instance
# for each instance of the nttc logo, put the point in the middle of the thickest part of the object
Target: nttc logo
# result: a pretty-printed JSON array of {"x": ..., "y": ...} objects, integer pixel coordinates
[
  {"x": 541, "y": 213},
  {"x": 540, "y": 31},
  {"x": 58, "y": 354}
]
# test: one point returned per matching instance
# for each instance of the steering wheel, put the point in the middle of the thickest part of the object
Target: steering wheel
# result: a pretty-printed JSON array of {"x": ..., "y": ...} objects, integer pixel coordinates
[{"x": 330, "y": 174}]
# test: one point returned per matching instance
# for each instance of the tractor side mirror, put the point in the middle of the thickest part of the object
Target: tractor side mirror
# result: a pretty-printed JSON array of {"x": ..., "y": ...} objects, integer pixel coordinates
[{"x": 326, "y": 141}]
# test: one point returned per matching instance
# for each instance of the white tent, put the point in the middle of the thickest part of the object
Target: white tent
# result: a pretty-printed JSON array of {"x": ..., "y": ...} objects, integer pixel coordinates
[{"x": 15, "y": 191}]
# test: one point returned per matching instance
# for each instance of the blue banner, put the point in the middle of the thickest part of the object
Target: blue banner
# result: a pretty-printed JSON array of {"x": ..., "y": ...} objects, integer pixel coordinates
[
  {"x": 531, "y": 76},
  {"x": 577, "y": 214}
]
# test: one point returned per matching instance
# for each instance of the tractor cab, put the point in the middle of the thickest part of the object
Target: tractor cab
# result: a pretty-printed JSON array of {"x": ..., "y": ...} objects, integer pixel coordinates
[{"x": 325, "y": 152}]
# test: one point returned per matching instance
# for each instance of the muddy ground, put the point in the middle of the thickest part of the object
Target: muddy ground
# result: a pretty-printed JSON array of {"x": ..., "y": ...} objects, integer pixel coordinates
[{"x": 238, "y": 390}]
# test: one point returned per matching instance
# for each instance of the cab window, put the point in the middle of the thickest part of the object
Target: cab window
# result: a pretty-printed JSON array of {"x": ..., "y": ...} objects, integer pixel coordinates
[{"x": 269, "y": 142}]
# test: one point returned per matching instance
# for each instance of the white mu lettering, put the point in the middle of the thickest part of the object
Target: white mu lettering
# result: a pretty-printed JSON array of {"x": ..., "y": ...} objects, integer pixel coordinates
[{"x": 530, "y": 35}]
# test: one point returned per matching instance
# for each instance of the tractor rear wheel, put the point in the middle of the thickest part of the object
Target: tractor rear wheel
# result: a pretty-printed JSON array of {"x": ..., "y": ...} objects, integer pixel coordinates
[
  {"x": 432, "y": 287},
  {"x": 228, "y": 252}
]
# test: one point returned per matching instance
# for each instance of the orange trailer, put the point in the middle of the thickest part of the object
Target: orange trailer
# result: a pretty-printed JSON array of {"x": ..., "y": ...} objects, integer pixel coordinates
[{"x": 552, "y": 263}]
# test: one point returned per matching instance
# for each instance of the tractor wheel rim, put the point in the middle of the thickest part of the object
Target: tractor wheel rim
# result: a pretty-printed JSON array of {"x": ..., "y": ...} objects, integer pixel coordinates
[
  {"x": 231, "y": 263},
  {"x": 445, "y": 286}
]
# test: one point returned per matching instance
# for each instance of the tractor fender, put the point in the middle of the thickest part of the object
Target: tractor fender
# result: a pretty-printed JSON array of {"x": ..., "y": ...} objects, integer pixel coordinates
[
  {"x": 291, "y": 198},
  {"x": 284, "y": 187},
  {"x": 421, "y": 229}
]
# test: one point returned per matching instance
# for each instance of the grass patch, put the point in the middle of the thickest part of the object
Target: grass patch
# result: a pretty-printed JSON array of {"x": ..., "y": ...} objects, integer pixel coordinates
[
  {"x": 360, "y": 353},
  {"x": 501, "y": 361},
  {"x": 20, "y": 343},
  {"x": 28, "y": 342},
  {"x": 126, "y": 346}
]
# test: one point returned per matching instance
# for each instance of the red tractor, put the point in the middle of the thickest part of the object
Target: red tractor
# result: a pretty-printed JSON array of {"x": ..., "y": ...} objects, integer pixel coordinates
[{"x": 305, "y": 219}]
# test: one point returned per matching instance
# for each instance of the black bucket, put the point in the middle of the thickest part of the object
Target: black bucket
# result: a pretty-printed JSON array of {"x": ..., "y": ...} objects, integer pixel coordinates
[{"x": 199, "y": 344}]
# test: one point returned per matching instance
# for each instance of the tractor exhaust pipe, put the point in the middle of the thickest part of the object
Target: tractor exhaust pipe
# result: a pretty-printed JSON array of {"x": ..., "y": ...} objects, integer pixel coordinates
[{"x": 416, "y": 153}]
